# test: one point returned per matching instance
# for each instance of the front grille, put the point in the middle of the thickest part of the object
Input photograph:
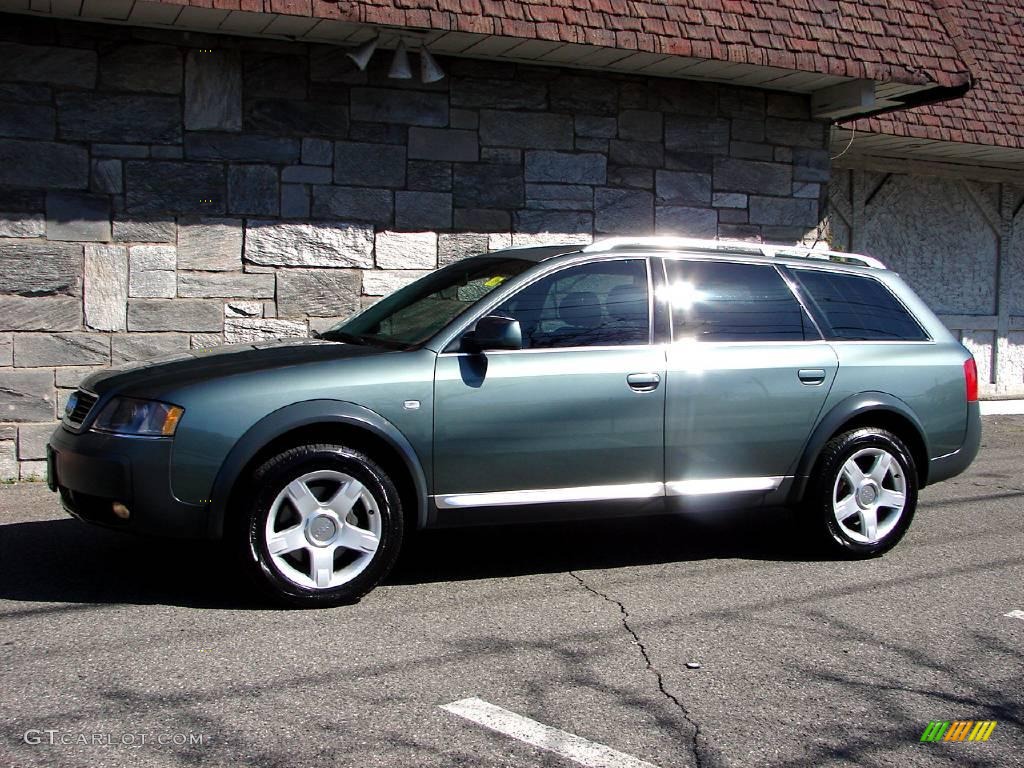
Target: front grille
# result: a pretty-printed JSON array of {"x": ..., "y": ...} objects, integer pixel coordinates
[{"x": 83, "y": 404}]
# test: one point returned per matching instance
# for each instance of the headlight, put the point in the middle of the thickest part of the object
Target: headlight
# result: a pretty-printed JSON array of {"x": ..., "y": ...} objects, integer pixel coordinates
[{"x": 129, "y": 416}]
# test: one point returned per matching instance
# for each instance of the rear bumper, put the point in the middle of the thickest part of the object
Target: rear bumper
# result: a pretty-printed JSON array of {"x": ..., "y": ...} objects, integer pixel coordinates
[
  {"x": 952, "y": 464},
  {"x": 91, "y": 471}
]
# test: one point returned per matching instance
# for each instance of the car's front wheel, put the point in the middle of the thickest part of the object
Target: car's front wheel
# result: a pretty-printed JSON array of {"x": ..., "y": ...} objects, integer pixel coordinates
[
  {"x": 864, "y": 492},
  {"x": 323, "y": 525}
]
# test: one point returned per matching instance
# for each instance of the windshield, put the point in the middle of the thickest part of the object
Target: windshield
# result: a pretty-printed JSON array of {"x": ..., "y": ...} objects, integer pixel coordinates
[{"x": 421, "y": 309}]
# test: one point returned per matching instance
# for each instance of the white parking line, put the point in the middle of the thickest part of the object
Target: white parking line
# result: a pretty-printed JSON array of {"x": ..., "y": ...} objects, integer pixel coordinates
[
  {"x": 1015, "y": 615},
  {"x": 568, "y": 745}
]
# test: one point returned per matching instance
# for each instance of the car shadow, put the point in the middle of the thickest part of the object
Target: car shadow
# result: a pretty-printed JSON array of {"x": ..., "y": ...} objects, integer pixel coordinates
[{"x": 66, "y": 561}]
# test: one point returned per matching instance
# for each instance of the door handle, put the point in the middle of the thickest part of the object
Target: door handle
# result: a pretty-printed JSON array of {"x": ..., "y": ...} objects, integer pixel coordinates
[
  {"x": 643, "y": 382},
  {"x": 811, "y": 376}
]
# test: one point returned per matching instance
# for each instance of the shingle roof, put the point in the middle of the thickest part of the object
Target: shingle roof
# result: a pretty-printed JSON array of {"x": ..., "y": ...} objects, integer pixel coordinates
[
  {"x": 902, "y": 41},
  {"x": 990, "y": 34}
]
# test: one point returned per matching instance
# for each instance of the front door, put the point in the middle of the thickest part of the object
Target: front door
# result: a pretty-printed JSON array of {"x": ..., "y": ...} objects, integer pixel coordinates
[
  {"x": 747, "y": 376},
  {"x": 576, "y": 415}
]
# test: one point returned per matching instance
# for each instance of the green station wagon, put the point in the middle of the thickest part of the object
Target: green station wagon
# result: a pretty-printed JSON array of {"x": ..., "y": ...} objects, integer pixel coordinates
[{"x": 632, "y": 376}]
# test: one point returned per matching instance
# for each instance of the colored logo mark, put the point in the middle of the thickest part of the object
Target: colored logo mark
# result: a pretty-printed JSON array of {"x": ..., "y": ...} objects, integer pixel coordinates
[{"x": 958, "y": 730}]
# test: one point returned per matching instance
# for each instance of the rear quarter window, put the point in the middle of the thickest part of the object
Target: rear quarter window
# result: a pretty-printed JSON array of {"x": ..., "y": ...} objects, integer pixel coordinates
[{"x": 858, "y": 308}]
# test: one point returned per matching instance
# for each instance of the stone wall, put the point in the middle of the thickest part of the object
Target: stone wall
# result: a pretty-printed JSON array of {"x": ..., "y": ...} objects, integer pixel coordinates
[
  {"x": 957, "y": 239},
  {"x": 161, "y": 191}
]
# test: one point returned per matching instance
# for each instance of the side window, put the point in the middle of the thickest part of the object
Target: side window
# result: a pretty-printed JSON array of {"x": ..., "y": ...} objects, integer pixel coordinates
[
  {"x": 592, "y": 305},
  {"x": 859, "y": 308},
  {"x": 723, "y": 301}
]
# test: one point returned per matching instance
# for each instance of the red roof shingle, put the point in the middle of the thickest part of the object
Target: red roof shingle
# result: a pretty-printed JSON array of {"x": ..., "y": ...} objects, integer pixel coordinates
[{"x": 990, "y": 35}]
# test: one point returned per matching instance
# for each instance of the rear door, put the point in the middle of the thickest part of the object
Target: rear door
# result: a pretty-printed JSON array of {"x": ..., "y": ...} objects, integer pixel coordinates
[{"x": 747, "y": 375}]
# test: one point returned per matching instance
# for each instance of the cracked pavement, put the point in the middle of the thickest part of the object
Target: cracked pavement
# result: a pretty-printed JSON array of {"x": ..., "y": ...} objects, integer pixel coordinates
[{"x": 586, "y": 627}]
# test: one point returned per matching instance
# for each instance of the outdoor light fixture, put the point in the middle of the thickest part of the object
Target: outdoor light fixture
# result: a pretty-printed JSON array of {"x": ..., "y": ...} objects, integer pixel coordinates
[
  {"x": 361, "y": 55},
  {"x": 400, "y": 69},
  {"x": 430, "y": 70}
]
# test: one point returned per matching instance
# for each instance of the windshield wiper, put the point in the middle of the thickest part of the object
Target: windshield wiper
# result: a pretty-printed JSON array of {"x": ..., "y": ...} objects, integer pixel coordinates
[{"x": 348, "y": 338}]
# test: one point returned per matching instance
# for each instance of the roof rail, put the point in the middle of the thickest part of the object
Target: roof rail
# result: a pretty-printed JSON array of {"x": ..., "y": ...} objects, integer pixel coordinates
[{"x": 732, "y": 246}]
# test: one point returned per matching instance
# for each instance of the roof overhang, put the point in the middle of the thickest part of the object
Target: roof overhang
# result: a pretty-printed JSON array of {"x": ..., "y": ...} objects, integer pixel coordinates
[{"x": 833, "y": 96}]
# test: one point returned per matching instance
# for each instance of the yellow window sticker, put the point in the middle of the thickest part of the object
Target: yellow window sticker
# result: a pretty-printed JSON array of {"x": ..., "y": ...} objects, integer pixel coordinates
[{"x": 494, "y": 282}]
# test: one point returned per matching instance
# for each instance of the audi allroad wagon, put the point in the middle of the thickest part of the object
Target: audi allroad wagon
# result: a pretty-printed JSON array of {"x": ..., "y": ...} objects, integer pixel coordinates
[{"x": 632, "y": 376}]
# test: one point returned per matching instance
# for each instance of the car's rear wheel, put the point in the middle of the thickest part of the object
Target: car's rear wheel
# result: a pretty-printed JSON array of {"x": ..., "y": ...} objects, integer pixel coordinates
[
  {"x": 863, "y": 496},
  {"x": 323, "y": 525}
]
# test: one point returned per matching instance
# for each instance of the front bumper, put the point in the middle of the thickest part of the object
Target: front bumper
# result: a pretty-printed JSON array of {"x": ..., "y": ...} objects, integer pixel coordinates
[{"x": 91, "y": 471}]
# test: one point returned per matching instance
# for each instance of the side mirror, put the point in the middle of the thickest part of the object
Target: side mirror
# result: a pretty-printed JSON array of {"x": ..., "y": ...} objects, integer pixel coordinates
[{"x": 493, "y": 332}]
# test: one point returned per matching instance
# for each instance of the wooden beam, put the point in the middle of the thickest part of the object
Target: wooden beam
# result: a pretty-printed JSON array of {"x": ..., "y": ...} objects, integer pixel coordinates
[{"x": 843, "y": 100}]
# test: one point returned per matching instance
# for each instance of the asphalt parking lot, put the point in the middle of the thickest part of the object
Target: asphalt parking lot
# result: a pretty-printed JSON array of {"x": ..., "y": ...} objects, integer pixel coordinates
[{"x": 153, "y": 654}]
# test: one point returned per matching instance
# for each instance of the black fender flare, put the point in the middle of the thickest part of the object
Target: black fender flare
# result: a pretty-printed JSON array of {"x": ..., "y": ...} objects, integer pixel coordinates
[
  {"x": 842, "y": 412},
  {"x": 304, "y": 414}
]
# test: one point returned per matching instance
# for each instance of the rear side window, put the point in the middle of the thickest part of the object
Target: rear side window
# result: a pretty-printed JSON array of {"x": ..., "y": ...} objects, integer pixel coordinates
[
  {"x": 722, "y": 301},
  {"x": 859, "y": 308}
]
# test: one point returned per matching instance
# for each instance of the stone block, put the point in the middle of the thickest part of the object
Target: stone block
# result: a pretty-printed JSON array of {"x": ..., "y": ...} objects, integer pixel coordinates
[
  {"x": 28, "y": 121},
  {"x": 682, "y": 188},
  {"x": 74, "y": 67},
  {"x": 634, "y": 178},
  {"x": 107, "y": 176},
  {"x": 482, "y": 220},
  {"x": 497, "y": 241},
  {"x": 141, "y": 67},
  {"x": 239, "y": 330},
  {"x": 685, "y": 220},
  {"x": 566, "y": 168},
  {"x": 487, "y": 93},
  {"x": 793, "y": 105},
  {"x": 159, "y": 186},
  {"x": 71, "y": 377},
  {"x": 560, "y": 197},
  {"x": 132, "y": 347},
  {"x": 640, "y": 125},
  {"x": 806, "y": 189},
  {"x": 269, "y": 73},
  {"x": 369, "y": 165},
  {"x": 297, "y": 118},
  {"x": 253, "y": 189},
  {"x": 354, "y": 204},
  {"x": 119, "y": 117},
  {"x": 40, "y": 350},
  {"x": 488, "y": 185},
  {"x": 697, "y": 134},
  {"x": 697, "y": 162},
  {"x": 22, "y": 200},
  {"x": 306, "y": 174},
  {"x": 531, "y": 239},
  {"x": 795, "y": 133},
  {"x": 623, "y": 211},
  {"x": 210, "y": 244},
  {"x": 752, "y": 176},
  {"x": 77, "y": 216},
  {"x": 423, "y": 210},
  {"x": 317, "y": 151},
  {"x": 501, "y": 155},
  {"x": 37, "y": 267},
  {"x": 9, "y": 459},
  {"x": 783, "y": 212},
  {"x": 596, "y": 127},
  {"x": 812, "y": 165},
  {"x": 638, "y": 154},
  {"x": 213, "y": 90},
  {"x": 249, "y": 147},
  {"x": 40, "y": 313},
  {"x": 174, "y": 315},
  {"x": 144, "y": 229},
  {"x": 592, "y": 145},
  {"x": 526, "y": 130},
  {"x": 225, "y": 285},
  {"x": 26, "y": 396},
  {"x": 446, "y": 144},
  {"x": 43, "y": 164},
  {"x": 207, "y": 340},
  {"x": 564, "y": 223},
  {"x": 16, "y": 224},
  {"x": 20, "y": 92},
  {"x": 244, "y": 308},
  {"x": 322, "y": 244},
  {"x": 31, "y": 471},
  {"x": 427, "y": 176},
  {"x": 149, "y": 257},
  {"x": 406, "y": 250},
  {"x": 467, "y": 119},
  {"x": 729, "y": 200},
  {"x": 584, "y": 94},
  {"x": 295, "y": 201},
  {"x": 6, "y": 349},
  {"x": 733, "y": 216},
  {"x": 751, "y": 150},
  {"x": 388, "y": 105},
  {"x": 747, "y": 130},
  {"x": 318, "y": 292},
  {"x": 384, "y": 282},
  {"x": 106, "y": 287},
  {"x": 452, "y": 248},
  {"x": 124, "y": 151},
  {"x": 32, "y": 440},
  {"x": 152, "y": 284},
  {"x": 379, "y": 133}
]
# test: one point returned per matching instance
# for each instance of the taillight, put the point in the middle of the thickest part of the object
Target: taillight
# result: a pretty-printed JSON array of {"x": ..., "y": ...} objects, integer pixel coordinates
[{"x": 971, "y": 379}]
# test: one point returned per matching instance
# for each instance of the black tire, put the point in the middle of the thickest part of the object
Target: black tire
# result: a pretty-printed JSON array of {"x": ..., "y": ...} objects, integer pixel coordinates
[
  {"x": 826, "y": 485},
  {"x": 270, "y": 479}
]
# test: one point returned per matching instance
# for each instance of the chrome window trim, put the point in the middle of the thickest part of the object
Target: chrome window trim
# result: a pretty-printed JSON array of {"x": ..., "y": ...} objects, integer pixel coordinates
[{"x": 636, "y": 491}]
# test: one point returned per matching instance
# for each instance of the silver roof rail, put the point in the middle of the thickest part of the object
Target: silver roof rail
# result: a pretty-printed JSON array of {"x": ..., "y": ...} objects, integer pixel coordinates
[{"x": 732, "y": 246}]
